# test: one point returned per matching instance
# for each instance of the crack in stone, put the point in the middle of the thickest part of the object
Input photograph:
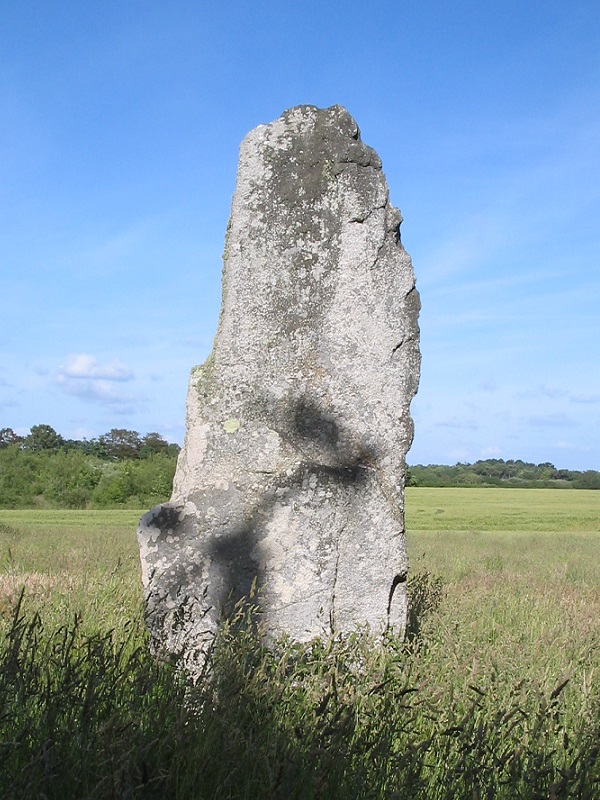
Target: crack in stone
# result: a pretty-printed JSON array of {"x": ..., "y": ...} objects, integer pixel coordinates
[
  {"x": 398, "y": 346},
  {"x": 297, "y": 600},
  {"x": 335, "y": 578},
  {"x": 398, "y": 579},
  {"x": 405, "y": 340},
  {"x": 361, "y": 218}
]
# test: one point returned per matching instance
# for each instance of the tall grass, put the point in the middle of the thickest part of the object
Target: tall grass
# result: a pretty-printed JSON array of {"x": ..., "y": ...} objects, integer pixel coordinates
[
  {"x": 89, "y": 716},
  {"x": 493, "y": 694}
]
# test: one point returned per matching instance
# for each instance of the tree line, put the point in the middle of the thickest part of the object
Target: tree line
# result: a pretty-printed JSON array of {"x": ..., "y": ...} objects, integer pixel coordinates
[
  {"x": 118, "y": 469},
  {"x": 118, "y": 443},
  {"x": 497, "y": 472},
  {"x": 121, "y": 469}
]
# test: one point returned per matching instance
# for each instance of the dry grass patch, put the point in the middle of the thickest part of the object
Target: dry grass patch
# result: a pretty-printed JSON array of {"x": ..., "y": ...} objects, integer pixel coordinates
[{"x": 36, "y": 586}]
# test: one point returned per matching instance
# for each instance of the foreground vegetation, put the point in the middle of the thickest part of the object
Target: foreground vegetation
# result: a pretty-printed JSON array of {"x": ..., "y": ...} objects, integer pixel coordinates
[{"x": 494, "y": 694}]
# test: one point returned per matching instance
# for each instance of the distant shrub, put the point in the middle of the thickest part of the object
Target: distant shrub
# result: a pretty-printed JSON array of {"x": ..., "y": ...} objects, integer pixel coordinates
[
  {"x": 73, "y": 479},
  {"x": 497, "y": 472}
]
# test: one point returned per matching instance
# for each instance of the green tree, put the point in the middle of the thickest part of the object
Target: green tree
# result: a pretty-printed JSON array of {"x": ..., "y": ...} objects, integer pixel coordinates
[
  {"x": 120, "y": 443},
  {"x": 43, "y": 437},
  {"x": 590, "y": 479},
  {"x": 116, "y": 486},
  {"x": 153, "y": 443},
  {"x": 70, "y": 478},
  {"x": 8, "y": 437},
  {"x": 20, "y": 477}
]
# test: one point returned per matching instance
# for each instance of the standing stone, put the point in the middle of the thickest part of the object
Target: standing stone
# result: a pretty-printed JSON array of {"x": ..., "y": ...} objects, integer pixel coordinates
[{"x": 292, "y": 473}]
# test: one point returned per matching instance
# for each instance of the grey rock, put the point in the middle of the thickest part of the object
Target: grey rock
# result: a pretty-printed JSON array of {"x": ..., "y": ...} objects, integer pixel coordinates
[{"x": 289, "y": 487}]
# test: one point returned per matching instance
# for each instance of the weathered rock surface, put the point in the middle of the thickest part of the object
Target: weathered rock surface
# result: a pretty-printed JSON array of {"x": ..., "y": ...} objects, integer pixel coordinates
[{"x": 292, "y": 473}]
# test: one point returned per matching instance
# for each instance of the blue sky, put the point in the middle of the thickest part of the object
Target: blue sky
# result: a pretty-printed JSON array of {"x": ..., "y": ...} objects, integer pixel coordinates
[{"x": 120, "y": 124}]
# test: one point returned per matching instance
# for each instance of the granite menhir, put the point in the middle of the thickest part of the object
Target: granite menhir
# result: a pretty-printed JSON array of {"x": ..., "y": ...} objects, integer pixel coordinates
[{"x": 289, "y": 491}]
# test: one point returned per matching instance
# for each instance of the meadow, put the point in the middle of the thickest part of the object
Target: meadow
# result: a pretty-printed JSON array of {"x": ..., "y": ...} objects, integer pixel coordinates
[{"x": 494, "y": 693}]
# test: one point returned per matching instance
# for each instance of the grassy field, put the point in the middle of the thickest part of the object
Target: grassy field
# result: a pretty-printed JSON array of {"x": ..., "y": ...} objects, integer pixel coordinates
[
  {"x": 521, "y": 573},
  {"x": 502, "y": 509},
  {"x": 71, "y": 562},
  {"x": 495, "y": 695}
]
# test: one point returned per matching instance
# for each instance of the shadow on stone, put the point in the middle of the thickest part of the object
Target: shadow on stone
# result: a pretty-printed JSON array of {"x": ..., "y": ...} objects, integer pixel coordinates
[{"x": 240, "y": 577}]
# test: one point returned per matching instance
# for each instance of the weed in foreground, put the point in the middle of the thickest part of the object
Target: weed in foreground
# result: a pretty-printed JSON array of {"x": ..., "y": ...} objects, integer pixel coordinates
[
  {"x": 82, "y": 716},
  {"x": 94, "y": 716}
]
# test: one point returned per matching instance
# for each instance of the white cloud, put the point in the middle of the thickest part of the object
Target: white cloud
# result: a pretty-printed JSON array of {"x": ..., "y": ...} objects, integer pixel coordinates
[
  {"x": 85, "y": 366},
  {"x": 84, "y": 377},
  {"x": 99, "y": 392}
]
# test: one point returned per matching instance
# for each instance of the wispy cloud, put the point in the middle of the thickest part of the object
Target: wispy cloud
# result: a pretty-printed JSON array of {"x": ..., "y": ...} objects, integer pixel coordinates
[
  {"x": 542, "y": 390},
  {"x": 100, "y": 392},
  {"x": 554, "y": 420},
  {"x": 491, "y": 452},
  {"x": 556, "y": 392},
  {"x": 123, "y": 244},
  {"x": 552, "y": 391},
  {"x": 85, "y": 366},
  {"x": 585, "y": 398},
  {"x": 83, "y": 376},
  {"x": 455, "y": 422},
  {"x": 480, "y": 237},
  {"x": 563, "y": 445},
  {"x": 460, "y": 454}
]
